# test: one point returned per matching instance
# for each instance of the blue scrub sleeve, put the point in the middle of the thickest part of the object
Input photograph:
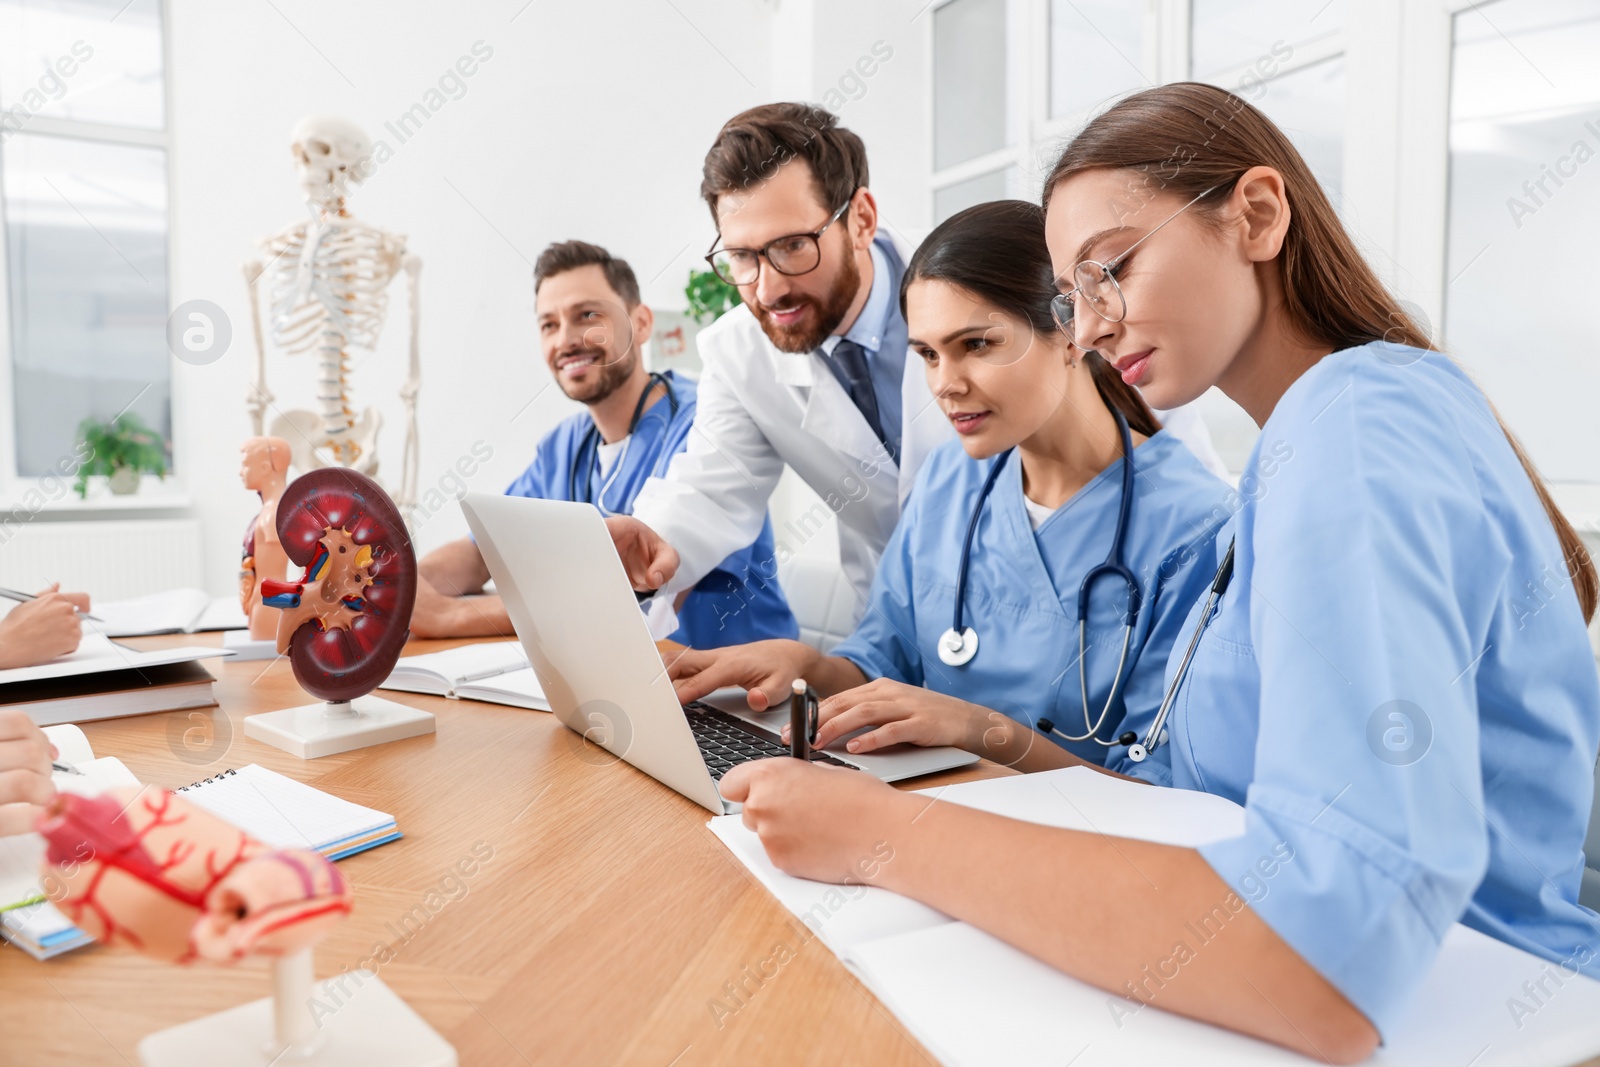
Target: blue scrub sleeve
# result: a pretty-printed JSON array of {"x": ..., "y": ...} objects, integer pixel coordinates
[
  {"x": 1363, "y": 567},
  {"x": 884, "y": 644}
]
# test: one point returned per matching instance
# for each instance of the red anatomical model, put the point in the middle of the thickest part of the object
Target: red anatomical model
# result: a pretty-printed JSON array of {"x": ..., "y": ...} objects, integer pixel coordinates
[
  {"x": 144, "y": 868},
  {"x": 345, "y": 621}
]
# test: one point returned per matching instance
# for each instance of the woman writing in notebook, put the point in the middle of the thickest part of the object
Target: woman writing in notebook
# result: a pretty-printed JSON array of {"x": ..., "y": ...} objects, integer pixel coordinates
[
  {"x": 1401, "y": 719},
  {"x": 1005, "y": 531}
]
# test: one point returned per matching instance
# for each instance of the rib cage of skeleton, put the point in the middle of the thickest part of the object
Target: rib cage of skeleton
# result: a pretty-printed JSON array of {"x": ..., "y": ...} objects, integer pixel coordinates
[{"x": 327, "y": 283}]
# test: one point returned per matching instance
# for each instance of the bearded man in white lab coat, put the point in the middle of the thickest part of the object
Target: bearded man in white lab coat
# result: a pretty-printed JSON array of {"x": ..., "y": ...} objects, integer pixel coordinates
[{"x": 812, "y": 371}]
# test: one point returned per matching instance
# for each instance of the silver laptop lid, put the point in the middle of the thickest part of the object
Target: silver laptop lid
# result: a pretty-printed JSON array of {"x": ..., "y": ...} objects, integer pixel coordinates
[{"x": 577, "y": 618}]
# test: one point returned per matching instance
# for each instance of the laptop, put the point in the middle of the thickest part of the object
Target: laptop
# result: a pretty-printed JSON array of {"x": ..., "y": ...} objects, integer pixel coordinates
[{"x": 576, "y": 615}]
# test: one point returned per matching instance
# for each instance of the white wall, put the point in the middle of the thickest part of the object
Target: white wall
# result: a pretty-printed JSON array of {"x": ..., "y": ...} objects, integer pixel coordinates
[{"x": 589, "y": 120}]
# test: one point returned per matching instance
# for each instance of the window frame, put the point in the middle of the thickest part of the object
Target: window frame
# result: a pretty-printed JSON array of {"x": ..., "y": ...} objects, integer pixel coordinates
[
  {"x": 154, "y": 494},
  {"x": 1034, "y": 131}
]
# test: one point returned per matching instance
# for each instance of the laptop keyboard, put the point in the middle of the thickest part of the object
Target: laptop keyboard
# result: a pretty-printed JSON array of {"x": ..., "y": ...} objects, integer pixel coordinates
[{"x": 726, "y": 741}]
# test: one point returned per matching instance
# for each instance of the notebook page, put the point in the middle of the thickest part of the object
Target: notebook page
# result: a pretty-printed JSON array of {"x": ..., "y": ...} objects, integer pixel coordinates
[
  {"x": 173, "y": 610},
  {"x": 97, "y": 653},
  {"x": 974, "y": 1000},
  {"x": 21, "y": 854},
  {"x": 519, "y": 688},
  {"x": 281, "y": 811},
  {"x": 72, "y": 746}
]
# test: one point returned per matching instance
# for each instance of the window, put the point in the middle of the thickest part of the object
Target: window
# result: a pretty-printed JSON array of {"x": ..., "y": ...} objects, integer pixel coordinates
[
  {"x": 1096, "y": 53},
  {"x": 1012, "y": 79},
  {"x": 83, "y": 193},
  {"x": 1524, "y": 189},
  {"x": 1286, "y": 58},
  {"x": 974, "y": 120}
]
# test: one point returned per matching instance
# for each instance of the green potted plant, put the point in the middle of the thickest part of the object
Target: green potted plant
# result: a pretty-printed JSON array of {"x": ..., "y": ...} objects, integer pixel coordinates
[
  {"x": 122, "y": 449},
  {"x": 709, "y": 296}
]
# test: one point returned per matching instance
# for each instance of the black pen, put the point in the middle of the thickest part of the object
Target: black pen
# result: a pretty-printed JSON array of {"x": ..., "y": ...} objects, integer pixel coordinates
[{"x": 802, "y": 719}]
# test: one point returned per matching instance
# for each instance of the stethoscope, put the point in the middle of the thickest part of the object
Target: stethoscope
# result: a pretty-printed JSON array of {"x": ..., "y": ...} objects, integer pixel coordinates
[
  {"x": 1137, "y": 750},
  {"x": 591, "y": 442},
  {"x": 959, "y": 644}
]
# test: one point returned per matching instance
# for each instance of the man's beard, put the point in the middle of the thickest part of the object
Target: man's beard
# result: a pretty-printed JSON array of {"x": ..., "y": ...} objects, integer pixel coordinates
[
  {"x": 825, "y": 317},
  {"x": 610, "y": 378}
]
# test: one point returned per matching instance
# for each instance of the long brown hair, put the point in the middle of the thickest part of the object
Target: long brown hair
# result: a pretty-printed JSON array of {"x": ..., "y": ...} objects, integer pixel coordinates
[
  {"x": 1185, "y": 138},
  {"x": 997, "y": 252}
]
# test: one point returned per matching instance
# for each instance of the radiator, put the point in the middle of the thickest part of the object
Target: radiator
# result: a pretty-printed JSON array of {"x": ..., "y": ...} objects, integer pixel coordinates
[{"x": 108, "y": 560}]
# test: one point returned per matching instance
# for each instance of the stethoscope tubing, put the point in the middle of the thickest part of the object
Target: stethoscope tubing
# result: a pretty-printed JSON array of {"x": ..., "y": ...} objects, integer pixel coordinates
[
  {"x": 959, "y": 644},
  {"x": 591, "y": 444}
]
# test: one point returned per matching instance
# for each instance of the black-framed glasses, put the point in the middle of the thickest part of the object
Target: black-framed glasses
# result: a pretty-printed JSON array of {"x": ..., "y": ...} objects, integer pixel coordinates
[
  {"x": 1097, "y": 282},
  {"x": 795, "y": 253}
]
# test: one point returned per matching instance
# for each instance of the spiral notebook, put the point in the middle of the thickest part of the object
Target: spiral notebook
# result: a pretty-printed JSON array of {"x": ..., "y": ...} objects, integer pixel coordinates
[{"x": 285, "y": 813}]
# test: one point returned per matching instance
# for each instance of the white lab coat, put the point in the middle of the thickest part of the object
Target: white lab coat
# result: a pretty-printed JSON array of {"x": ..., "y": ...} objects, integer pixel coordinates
[{"x": 761, "y": 408}]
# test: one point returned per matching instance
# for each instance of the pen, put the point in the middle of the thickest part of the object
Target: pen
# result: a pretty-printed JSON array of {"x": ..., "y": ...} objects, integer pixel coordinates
[
  {"x": 13, "y": 594},
  {"x": 64, "y": 769},
  {"x": 802, "y": 719}
]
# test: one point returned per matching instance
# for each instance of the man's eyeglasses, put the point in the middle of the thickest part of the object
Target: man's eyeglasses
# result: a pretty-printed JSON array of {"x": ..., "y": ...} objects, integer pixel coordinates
[
  {"x": 1096, "y": 282},
  {"x": 796, "y": 253}
]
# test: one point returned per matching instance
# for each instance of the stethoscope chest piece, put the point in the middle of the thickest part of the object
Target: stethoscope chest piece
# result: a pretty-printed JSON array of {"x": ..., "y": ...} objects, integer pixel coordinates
[{"x": 957, "y": 649}]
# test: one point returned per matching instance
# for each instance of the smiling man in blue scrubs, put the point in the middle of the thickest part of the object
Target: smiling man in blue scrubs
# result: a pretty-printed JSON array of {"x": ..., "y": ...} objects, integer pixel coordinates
[{"x": 592, "y": 325}]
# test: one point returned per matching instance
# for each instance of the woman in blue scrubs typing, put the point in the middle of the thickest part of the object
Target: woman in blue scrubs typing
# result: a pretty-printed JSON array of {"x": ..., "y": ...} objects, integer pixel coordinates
[
  {"x": 971, "y": 636},
  {"x": 1393, "y": 677}
]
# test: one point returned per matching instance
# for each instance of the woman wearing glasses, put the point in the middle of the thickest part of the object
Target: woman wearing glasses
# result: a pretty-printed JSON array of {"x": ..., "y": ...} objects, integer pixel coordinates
[
  {"x": 1035, "y": 580},
  {"x": 1396, "y": 682}
]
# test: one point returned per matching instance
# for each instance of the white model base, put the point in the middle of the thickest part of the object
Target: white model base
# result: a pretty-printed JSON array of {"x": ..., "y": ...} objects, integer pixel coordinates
[
  {"x": 245, "y": 647},
  {"x": 365, "y": 1025},
  {"x": 317, "y": 730}
]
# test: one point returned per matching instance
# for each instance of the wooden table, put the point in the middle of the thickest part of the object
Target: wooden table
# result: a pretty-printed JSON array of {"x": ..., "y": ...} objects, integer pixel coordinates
[{"x": 604, "y": 928}]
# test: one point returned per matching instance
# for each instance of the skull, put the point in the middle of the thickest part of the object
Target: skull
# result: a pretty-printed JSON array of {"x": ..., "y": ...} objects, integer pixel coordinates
[{"x": 329, "y": 152}]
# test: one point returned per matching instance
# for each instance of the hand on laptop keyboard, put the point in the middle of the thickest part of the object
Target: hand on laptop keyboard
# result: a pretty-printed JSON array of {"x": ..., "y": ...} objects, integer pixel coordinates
[{"x": 726, "y": 741}]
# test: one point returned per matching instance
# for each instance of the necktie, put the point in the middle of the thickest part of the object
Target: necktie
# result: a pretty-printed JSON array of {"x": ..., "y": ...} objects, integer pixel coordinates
[{"x": 849, "y": 364}]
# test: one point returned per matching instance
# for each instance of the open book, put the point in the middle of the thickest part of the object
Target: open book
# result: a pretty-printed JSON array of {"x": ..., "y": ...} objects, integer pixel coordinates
[
  {"x": 973, "y": 999},
  {"x": 492, "y": 671},
  {"x": 97, "y": 653},
  {"x": 175, "y": 611}
]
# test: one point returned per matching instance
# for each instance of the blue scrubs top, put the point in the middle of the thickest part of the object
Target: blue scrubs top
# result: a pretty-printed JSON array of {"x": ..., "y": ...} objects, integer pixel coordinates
[
  {"x": 1022, "y": 586},
  {"x": 740, "y": 600},
  {"x": 1398, "y": 685}
]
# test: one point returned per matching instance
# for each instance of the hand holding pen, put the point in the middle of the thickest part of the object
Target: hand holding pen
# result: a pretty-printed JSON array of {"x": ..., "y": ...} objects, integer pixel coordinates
[
  {"x": 40, "y": 628},
  {"x": 26, "y": 760}
]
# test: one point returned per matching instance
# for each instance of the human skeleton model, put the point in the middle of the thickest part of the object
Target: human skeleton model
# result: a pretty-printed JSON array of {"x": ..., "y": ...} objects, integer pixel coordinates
[
  {"x": 327, "y": 283},
  {"x": 146, "y": 869}
]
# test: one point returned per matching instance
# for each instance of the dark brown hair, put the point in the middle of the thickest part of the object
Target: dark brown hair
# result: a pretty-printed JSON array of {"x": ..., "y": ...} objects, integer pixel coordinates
[
  {"x": 570, "y": 255},
  {"x": 753, "y": 144},
  {"x": 1185, "y": 138},
  {"x": 997, "y": 252}
]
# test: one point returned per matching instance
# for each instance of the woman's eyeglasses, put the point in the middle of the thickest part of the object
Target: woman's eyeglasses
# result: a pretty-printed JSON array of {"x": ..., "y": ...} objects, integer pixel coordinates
[
  {"x": 795, "y": 253},
  {"x": 1097, "y": 282}
]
